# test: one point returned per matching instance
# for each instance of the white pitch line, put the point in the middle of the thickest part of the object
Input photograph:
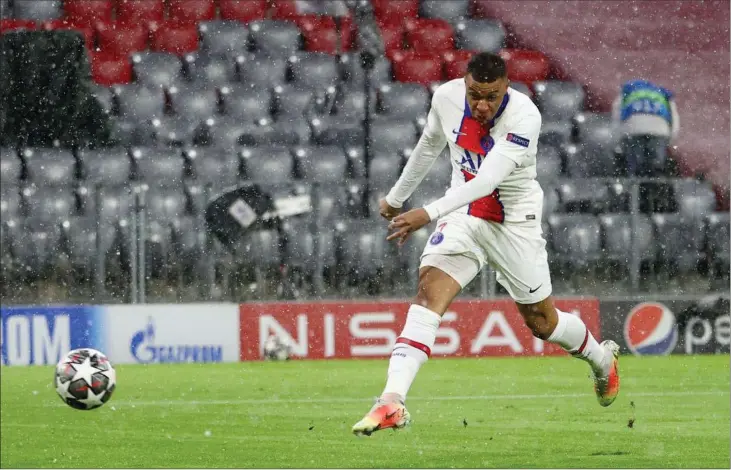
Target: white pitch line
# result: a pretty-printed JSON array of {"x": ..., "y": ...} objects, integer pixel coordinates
[{"x": 284, "y": 401}]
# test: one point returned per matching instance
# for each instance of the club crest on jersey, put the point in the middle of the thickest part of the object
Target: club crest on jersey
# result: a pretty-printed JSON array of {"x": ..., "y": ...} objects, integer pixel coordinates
[
  {"x": 516, "y": 139},
  {"x": 436, "y": 238}
]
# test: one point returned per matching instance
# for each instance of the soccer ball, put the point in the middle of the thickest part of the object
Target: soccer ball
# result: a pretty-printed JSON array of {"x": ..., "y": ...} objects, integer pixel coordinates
[
  {"x": 276, "y": 349},
  {"x": 85, "y": 379}
]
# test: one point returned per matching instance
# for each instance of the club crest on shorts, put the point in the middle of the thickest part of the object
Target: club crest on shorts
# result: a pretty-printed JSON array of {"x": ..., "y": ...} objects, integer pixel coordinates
[{"x": 436, "y": 238}]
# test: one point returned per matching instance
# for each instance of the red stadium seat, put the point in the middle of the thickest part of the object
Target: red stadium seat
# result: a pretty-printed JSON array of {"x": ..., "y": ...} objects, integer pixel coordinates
[
  {"x": 392, "y": 35},
  {"x": 243, "y": 10},
  {"x": 455, "y": 63},
  {"x": 525, "y": 65},
  {"x": 147, "y": 11},
  {"x": 285, "y": 10},
  {"x": 321, "y": 35},
  {"x": 191, "y": 11},
  {"x": 121, "y": 38},
  {"x": 85, "y": 30},
  {"x": 110, "y": 69},
  {"x": 177, "y": 38},
  {"x": 87, "y": 12},
  {"x": 395, "y": 11},
  {"x": 416, "y": 67},
  {"x": 11, "y": 24},
  {"x": 429, "y": 35}
]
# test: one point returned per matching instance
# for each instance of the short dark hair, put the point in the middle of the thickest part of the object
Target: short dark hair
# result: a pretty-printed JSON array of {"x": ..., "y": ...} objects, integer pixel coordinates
[{"x": 486, "y": 67}]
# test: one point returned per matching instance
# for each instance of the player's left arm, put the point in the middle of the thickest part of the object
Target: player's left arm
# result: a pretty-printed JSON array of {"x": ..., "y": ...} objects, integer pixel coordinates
[{"x": 506, "y": 155}]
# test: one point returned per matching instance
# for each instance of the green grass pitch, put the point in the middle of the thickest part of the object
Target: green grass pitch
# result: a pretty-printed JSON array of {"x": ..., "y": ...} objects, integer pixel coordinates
[{"x": 518, "y": 412}]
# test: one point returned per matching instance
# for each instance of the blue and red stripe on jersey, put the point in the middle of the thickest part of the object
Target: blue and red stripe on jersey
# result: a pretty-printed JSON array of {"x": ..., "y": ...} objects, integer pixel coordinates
[{"x": 474, "y": 137}]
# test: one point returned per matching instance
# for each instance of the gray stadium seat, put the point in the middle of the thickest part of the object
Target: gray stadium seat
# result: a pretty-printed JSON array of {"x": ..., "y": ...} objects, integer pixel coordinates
[
  {"x": 451, "y": 10},
  {"x": 320, "y": 163},
  {"x": 156, "y": 166},
  {"x": 586, "y": 161},
  {"x": 104, "y": 96},
  {"x": 522, "y": 87},
  {"x": 548, "y": 164},
  {"x": 403, "y": 100},
  {"x": 38, "y": 253},
  {"x": 10, "y": 203},
  {"x": 392, "y": 135},
  {"x": 127, "y": 131},
  {"x": 231, "y": 133},
  {"x": 176, "y": 131},
  {"x": 274, "y": 37},
  {"x": 261, "y": 249},
  {"x": 426, "y": 193},
  {"x": 211, "y": 165},
  {"x": 717, "y": 242},
  {"x": 267, "y": 163},
  {"x": 617, "y": 238},
  {"x": 111, "y": 204},
  {"x": 106, "y": 166},
  {"x": 350, "y": 104},
  {"x": 595, "y": 130},
  {"x": 292, "y": 100},
  {"x": 223, "y": 38},
  {"x": 619, "y": 196},
  {"x": 38, "y": 10},
  {"x": 356, "y": 161},
  {"x": 559, "y": 100},
  {"x": 551, "y": 201},
  {"x": 6, "y": 9},
  {"x": 79, "y": 242},
  {"x": 157, "y": 69},
  {"x": 193, "y": 102},
  {"x": 313, "y": 69},
  {"x": 246, "y": 103},
  {"x": 440, "y": 174},
  {"x": 291, "y": 131},
  {"x": 49, "y": 203},
  {"x": 575, "y": 239},
  {"x": 384, "y": 169},
  {"x": 207, "y": 71},
  {"x": 363, "y": 251},
  {"x": 337, "y": 130},
  {"x": 479, "y": 35},
  {"x": 299, "y": 245},
  {"x": 695, "y": 199},
  {"x": 353, "y": 75},
  {"x": 138, "y": 102},
  {"x": 223, "y": 132},
  {"x": 583, "y": 195},
  {"x": 11, "y": 169},
  {"x": 163, "y": 204},
  {"x": 335, "y": 200},
  {"x": 158, "y": 238},
  {"x": 49, "y": 166},
  {"x": 556, "y": 133},
  {"x": 679, "y": 242},
  {"x": 258, "y": 70}
]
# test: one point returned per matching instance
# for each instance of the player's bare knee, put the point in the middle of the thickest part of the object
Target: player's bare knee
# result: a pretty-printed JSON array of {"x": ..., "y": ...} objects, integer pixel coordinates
[{"x": 434, "y": 291}]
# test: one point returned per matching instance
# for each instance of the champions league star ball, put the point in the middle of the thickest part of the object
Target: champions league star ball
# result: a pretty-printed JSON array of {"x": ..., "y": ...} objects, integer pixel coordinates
[
  {"x": 276, "y": 349},
  {"x": 85, "y": 379}
]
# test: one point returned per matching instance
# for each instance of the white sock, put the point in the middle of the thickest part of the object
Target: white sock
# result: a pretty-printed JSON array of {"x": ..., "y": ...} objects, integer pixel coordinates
[
  {"x": 411, "y": 350},
  {"x": 572, "y": 334}
]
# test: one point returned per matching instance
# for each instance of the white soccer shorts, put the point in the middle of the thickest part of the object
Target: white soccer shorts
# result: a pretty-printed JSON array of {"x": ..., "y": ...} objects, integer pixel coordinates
[{"x": 463, "y": 244}]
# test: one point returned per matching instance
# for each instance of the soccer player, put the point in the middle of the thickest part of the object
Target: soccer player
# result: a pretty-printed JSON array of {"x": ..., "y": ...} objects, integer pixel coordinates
[{"x": 491, "y": 214}]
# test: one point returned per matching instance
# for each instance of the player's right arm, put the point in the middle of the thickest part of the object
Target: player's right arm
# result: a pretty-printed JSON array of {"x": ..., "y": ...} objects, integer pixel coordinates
[{"x": 430, "y": 145}]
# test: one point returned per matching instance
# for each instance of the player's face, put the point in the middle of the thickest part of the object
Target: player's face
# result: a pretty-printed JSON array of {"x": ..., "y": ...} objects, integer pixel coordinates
[{"x": 484, "y": 98}]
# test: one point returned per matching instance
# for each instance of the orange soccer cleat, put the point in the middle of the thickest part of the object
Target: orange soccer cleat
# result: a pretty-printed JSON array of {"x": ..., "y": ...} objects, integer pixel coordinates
[
  {"x": 383, "y": 415},
  {"x": 607, "y": 387}
]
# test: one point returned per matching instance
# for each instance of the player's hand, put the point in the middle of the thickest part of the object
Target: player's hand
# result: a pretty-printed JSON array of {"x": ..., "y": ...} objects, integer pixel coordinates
[
  {"x": 386, "y": 211},
  {"x": 403, "y": 225}
]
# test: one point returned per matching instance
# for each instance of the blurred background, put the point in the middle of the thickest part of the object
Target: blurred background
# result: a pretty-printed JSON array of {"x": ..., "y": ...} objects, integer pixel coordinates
[{"x": 121, "y": 119}]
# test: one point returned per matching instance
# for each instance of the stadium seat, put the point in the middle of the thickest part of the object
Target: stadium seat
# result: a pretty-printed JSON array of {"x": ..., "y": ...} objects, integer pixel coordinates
[
  {"x": 323, "y": 36},
  {"x": 193, "y": 102},
  {"x": 157, "y": 166},
  {"x": 157, "y": 68},
  {"x": 292, "y": 101},
  {"x": 88, "y": 12},
  {"x": 272, "y": 164},
  {"x": 212, "y": 166},
  {"x": 299, "y": 245},
  {"x": 576, "y": 239},
  {"x": 108, "y": 166},
  {"x": 695, "y": 199},
  {"x": 78, "y": 241},
  {"x": 174, "y": 38},
  {"x": 523, "y": 88},
  {"x": 430, "y": 35},
  {"x": 392, "y": 35},
  {"x": 384, "y": 169},
  {"x": 597, "y": 141},
  {"x": 222, "y": 132},
  {"x": 191, "y": 11},
  {"x": 11, "y": 169},
  {"x": 261, "y": 71},
  {"x": 223, "y": 38},
  {"x": 452, "y": 10},
  {"x": 37, "y": 10},
  {"x": 49, "y": 203},
  {"x": 38, "y": 254},
  {"x": 414, "y": 67},
  {"x": 679, "y": 242},
  {"x": 455, "y": 63},
  {"x": 49, "y": 166},
  {"x": 289, "y": 131},
  {"x": 391, "y": 134},
  {"x": 583, "y": 195},
  {"x": 586, "y": 160},
  {"x": 176, "y": 131},
  {"x": 317, "y": 164},
  {"x": 352, "y": 73},
  {"x": 242, "y": 101},
  {"x": 313, "y": 69},
  {"x": 244, "y": 11},
  {"x": 139, "y": 102},
  {"x": 127, "y": 131},
  {"x": 110, "y": 69},
  {"x": 110, "y": 203},
  {"x": 350, "y": 103},
  {"x": 10, "y": 203},
  {"x": 403, "y": 100},
  {"x": 551, "y": 201},
  {"x": 15, "y": 24},
  {"x": 480, "y": 35},
  {"x": 355, "y": 155},
  {"x": 210, "y": 71},
  {"x": 394, "y": 11},
  {"x": 148, "y": 12},
  {"x": 329, "y": 203},
  {"x": 362, "y": 251},
  {"x": 617, "y": 234},
  {"x": 548, "y": 164},
  {"x": 525, "y": 65},
  {"x": 121, "y": 38},
  {"x": 63, "y": 25},
  {"x": 559, "y": 100},
  {"x": 717, "y": 242},
  {"x": 556, "y": 133},
  {"x": 165, "y": 203},
  {"x": 337, "y": 130},
  {"x": 261, "y": 249},
  {"x": 275, "y": 38}
]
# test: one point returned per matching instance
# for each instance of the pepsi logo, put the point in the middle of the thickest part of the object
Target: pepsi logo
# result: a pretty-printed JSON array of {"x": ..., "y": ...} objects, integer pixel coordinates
[{"x": 650, "y": 329}]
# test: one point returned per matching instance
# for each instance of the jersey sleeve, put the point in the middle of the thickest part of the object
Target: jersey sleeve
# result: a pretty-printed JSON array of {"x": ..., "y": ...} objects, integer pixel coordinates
[
  {"x": 521, "y": 140},
  {"x": 430, "y": 145}
]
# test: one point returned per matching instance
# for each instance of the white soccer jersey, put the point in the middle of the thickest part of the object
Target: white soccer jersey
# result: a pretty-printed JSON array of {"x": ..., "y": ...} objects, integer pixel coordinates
[{"x": 513, "y": 133}]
